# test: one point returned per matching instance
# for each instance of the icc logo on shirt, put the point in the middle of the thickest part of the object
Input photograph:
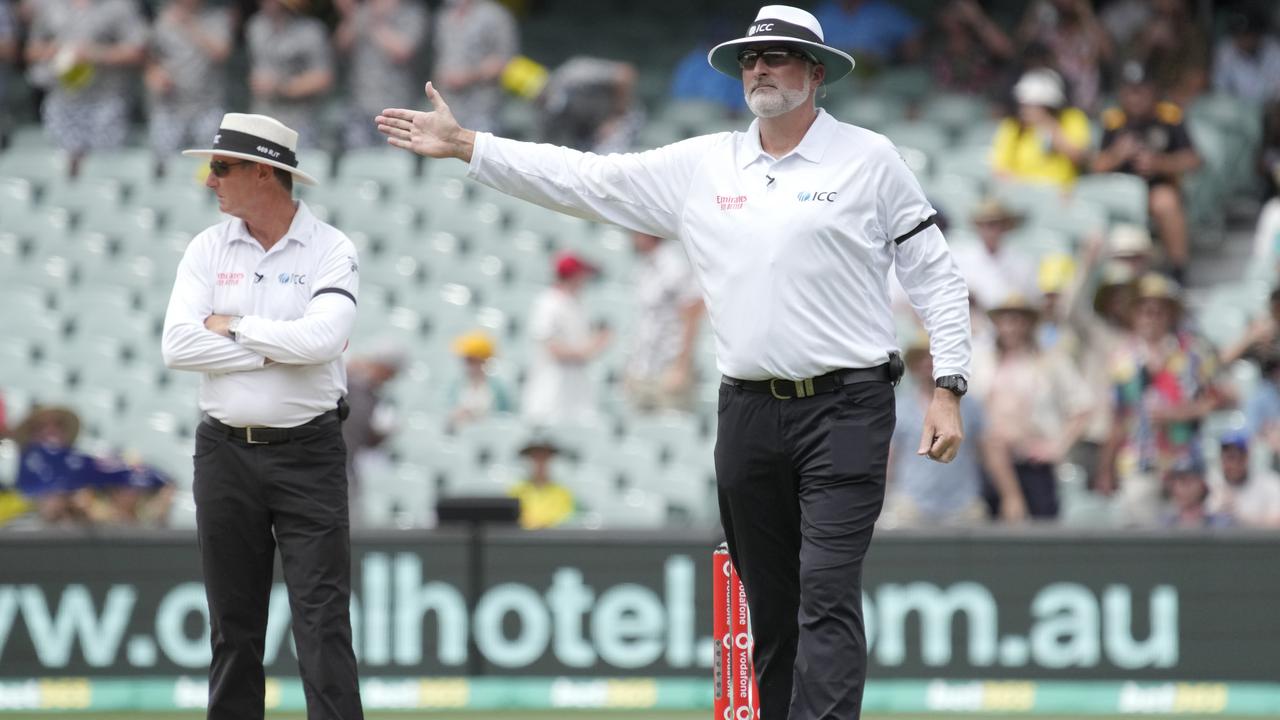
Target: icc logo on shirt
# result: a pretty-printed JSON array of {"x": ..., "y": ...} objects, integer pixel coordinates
[{"x": 805, "y": 196}]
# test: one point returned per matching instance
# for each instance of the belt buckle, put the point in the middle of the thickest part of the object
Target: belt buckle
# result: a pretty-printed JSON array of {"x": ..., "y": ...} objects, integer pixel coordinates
[
  {"x": 773, "y": 389},
  {"x": 248, "y": 438}
]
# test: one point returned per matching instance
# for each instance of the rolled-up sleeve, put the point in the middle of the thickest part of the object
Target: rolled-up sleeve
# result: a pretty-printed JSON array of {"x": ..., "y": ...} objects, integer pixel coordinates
[
  {"x": 321, "y": 334},
  {"x": 642, "y": 191}
]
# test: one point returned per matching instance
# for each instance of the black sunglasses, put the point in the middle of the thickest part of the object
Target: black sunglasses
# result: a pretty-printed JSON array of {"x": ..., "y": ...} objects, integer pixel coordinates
[
  {"x": 773, "y": 57},
  {"x": 222, "y": 168}
]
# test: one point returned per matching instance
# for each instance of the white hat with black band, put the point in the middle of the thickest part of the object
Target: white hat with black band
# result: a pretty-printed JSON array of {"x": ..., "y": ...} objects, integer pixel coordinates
[
  {"x": 259, "y": 139},
  {"x": 787, "y": 26}
]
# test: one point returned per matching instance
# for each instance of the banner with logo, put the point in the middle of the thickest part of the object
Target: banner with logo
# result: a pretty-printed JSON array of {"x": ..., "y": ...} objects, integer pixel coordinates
[{"x": 993, "y": 607}]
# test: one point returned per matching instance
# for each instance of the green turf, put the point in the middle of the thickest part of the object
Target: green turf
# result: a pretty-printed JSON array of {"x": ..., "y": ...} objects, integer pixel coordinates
[{"x": 585, "y": 714}]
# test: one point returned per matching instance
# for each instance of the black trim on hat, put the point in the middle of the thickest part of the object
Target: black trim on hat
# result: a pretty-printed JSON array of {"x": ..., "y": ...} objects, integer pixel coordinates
[
  {"x": 240, "y": 142},
  {"x": 919, "y": 228},
  {"x": 780, "y": 28},
  {"x": 338, "y": 291}
]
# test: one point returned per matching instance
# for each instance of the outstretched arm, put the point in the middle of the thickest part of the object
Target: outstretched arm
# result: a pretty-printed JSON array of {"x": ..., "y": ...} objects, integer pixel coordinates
[{"x": 434, "y": 133}]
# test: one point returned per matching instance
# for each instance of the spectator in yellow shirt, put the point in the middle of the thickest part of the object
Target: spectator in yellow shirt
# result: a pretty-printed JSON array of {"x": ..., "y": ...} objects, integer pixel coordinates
[
  {"x": 544, "y": 503},
  {"x": 1046, "y": 141}
]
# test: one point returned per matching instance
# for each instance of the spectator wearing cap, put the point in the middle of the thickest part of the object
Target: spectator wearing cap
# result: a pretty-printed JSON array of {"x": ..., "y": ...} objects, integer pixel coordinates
[
  {"x": 477, "y": 393},
  {"x": 1188, "y": 492},
  {"x": 995, "y": 268},
  {"x": 660, "y": 362},
  {"x": 921, "y": 493},
  {"x": 1247, "y": 62},
  {"x": 290, "y": 66},
  {"x": 1036, "y": 407},
  {"x": 86, "y": 53},
  {"x": 1146, "y": 137},
  {"x": 1165, "y": 382},
  {"x": 1247, "y": 492},
  {"x": 186, "y": 74},
  {"x": 559, "y": 386},
  {"x": 380, "y": 39},
  {"x": 544, "y": 503},
  {"x": 1077, "y": 44},
  {"x": 48, "y": 473},
  {"x": 475, "y": 39},
  {"x": 1046, "y": 141},
  {"x": 370, "y": 420}
]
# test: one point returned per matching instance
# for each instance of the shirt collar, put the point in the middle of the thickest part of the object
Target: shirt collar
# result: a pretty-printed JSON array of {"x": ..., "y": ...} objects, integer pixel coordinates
[
  {"x": 302, "y": 229},
  {"x": 812, "y": 147}
]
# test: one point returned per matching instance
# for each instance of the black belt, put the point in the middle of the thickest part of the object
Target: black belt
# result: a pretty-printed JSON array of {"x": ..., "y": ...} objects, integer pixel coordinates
[
  {"x": 273, "y": 435},
  {"x": 808, "y": 387}
]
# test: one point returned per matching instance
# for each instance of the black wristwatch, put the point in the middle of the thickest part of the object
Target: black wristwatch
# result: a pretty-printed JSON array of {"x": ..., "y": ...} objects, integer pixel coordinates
[{"x": 955, "y": 383}]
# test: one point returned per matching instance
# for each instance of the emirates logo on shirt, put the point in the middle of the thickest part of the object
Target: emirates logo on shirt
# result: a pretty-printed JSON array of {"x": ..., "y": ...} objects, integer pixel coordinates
[{"x": 731, "y": 202}]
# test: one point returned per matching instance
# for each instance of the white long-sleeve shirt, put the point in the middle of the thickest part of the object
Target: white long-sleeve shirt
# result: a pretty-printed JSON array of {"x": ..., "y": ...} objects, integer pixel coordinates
[
  {"x": 792, "y": 254},
  {"x": 298, "y": 303}
]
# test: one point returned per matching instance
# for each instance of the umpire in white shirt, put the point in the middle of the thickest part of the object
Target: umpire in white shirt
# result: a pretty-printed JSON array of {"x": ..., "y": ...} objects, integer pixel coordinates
[
  {"x": 792, "y": 227},
  {"x": 262, "y": 307}
]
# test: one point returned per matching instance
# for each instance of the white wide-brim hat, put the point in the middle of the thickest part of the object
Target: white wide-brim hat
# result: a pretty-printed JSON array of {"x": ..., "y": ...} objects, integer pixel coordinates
[
  {"x": 259, "y": 139},
  {"x": 783, "y": 25},
  {"x": 1041, "y": 87}
]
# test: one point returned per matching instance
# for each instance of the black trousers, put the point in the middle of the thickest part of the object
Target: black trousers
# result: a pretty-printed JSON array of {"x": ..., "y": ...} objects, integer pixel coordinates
[
  {"x": 249, "y": 500},
  {"x": 801, "y": 483}
]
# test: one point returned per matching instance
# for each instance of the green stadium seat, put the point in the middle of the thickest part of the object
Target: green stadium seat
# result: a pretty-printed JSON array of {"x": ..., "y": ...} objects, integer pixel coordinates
[
  {"x": 909, "y": 83},
  {"x": 872, "y": 111},
  {"x": 968, "y": 161},
  {"x": 385, "y": 165},
  {"x": 17, "y": 196},
  {"x": 135, "y": 166},
  {"x": 38, "y": 164},
  {"x": 955, "y": 111},
  {"x": 953, "y": 195},
  {"x": 675, "y": 434},
  {"x": 1124, "y": 196},
  {"x": 474, "y": 224},
  {"x": 31, "y": 137},
  {"x": 192, "y": 219},
  {"x": 979, "y": 132},
  {"x": 52, "y": 269},
  {"x": 43, "y": 225},
  {"x": 19, "y": 300},
  {"x": 1075, "y": 218}
]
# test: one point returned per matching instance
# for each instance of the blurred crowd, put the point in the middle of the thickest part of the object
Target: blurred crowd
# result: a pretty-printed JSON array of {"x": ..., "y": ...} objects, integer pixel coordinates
[
  {"x": 324, "y": 68},
  {"x": 1090, "y": 371}
]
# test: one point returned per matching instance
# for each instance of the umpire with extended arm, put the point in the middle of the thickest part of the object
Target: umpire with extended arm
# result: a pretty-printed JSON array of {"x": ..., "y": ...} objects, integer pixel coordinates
[
  {"x": 262, "y": 306},
  {"x": 792, "y": 227}
]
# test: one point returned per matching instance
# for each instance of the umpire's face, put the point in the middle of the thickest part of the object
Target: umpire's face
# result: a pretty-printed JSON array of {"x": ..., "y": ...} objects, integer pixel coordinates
[{"x": 778, "y": 78}]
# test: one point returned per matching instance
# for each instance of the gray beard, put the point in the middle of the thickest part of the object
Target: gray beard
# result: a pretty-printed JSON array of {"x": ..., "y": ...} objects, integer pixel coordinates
[{"x": 773, "y": 104}]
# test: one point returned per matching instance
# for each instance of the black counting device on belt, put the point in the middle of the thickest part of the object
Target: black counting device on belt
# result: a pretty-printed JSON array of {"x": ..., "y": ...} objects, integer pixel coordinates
[
  {"x": 896, "y": 367},
  {"x": 344, "y": 410}
]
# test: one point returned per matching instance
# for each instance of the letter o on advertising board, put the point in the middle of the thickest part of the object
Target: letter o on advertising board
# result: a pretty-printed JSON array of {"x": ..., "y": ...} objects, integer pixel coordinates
[
  {"x": 533, "y": 635},
  {"x": 171, "y": 617}
]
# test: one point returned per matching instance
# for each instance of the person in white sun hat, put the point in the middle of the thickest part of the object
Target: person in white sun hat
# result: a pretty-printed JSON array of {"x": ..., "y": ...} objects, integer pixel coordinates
[
  {"x": 262, "y": 307},
  {"x": 791, "y": 227}
]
